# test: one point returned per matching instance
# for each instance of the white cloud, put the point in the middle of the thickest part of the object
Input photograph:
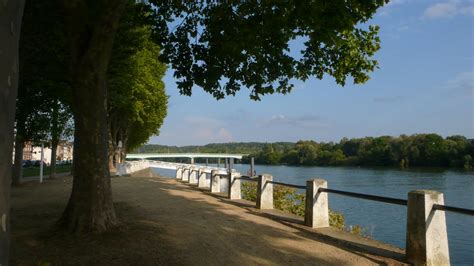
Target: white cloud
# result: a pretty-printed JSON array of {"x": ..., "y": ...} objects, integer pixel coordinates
[
  {"x": 224, "y": 135},
  {"x": 203, "y": 129},
  {"x": 302, "y": 121},
  {"x": 385, "y": 10},
  {"x": 449, "y": 9},
  {"x": 463, "y": 83}
]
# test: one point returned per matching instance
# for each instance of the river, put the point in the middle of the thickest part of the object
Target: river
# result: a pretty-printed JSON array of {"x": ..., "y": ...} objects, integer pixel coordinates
[{"x": 387, "y": 222}]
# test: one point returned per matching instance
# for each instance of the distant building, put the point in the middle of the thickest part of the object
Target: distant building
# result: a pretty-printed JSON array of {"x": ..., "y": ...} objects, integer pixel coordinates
[
  {"x": 27, "y": 151},
  {"x": 64, "y": 152}
]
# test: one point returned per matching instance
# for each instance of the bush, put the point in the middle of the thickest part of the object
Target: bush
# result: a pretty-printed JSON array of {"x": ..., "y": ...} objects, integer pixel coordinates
[{"x": 289, "y": 200}]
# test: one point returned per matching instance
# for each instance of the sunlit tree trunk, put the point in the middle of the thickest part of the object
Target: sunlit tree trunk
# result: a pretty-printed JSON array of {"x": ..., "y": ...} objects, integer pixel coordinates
[
  {"x": 55, "y": 135},
  {"x": 112, "y": 166},
  {"x": 10, "y": 23},
  {"x": 52, "y": 166},
  {"x": 17, "y": 165}
]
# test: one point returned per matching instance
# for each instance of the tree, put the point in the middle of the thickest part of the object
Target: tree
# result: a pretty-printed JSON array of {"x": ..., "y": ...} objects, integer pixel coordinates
[
  {"x": 137, "y": 102},
  {"x": 91, "y": 27},
  {"x": 61, "y": 129},
  {"x": 224, "y": 46},
  {"x": 43, "y": 88},
  {"x": 219, "y": 46},
  {"x": 10, "y": 26},
  {"x": 32, "y": 124}
]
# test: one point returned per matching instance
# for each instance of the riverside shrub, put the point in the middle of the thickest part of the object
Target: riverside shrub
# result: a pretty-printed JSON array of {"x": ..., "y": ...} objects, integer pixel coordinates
[{"x": 289, "y": 200}]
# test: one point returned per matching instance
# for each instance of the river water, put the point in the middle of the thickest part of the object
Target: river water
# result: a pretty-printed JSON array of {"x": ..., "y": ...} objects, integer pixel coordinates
[{"x": 387, "y": 222}]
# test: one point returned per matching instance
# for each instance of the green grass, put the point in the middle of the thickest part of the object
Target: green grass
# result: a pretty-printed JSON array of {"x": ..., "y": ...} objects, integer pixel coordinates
[{"x": 35, "y": 171}]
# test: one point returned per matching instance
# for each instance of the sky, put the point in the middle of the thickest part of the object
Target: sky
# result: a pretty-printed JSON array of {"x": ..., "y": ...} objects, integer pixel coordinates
[{"x": 424, "y": 84}]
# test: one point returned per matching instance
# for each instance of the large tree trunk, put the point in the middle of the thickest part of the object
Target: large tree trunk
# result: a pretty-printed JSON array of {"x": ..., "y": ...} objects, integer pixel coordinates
[
  {"x": 91, "y": 28},
  {"x": 10, "y": 22},
  {"x": 17, "y": 165}
]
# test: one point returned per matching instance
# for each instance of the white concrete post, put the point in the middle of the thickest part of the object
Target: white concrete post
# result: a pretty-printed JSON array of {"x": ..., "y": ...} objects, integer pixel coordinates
[
  {"x": 316, "y": 213},
  {"x": 264, "y": 192},
  {"x": 192, "y": 176},
  {"x": 179, "y": 173},
  {"x": 234, "y": 186},
  {"x": 427, "y": 238},
  {"x": 185, "y": 175},
  {"x": 202, "y": 182},
  {"x": 215, "y": 181}
]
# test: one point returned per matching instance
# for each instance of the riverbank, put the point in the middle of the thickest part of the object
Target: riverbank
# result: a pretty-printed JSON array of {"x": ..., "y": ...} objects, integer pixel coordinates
[
  {"x": 167, "y": 222},
  {"x": 387, "y": 222}
]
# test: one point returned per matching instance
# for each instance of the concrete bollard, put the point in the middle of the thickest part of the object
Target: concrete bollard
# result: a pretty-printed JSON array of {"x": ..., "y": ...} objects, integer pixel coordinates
[
  {"x": 215, "y": 182},
  {"x": 316, "y": 213},
  {"x": 192, "y": 175},
  {"x": 427, "y": 237},
  {"x": 185, "y": 175},
  {"x": 234, "y": 186},
  {"x": 202, "y": 182},
  {"x": 264, "y": 192},
  {"x": 179, "y": 173}
]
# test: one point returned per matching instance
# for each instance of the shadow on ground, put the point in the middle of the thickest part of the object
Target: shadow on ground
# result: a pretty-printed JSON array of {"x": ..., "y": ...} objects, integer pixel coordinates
[{"x": 166, "y": 222}]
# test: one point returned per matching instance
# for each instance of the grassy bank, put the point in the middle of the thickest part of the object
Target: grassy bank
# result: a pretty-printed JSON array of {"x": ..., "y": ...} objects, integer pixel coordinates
[{"x": 35, "y": 171}]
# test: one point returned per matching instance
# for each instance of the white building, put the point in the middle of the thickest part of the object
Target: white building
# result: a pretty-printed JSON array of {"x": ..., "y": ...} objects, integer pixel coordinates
[{"x": 63, "y": 152}]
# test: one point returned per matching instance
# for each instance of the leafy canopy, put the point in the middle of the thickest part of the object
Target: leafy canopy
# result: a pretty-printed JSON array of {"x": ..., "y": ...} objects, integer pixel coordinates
[
  {"x": 137, "y": 103},
  {"x": 222, "y": 46},
  {"x": 43, "y": 102}
]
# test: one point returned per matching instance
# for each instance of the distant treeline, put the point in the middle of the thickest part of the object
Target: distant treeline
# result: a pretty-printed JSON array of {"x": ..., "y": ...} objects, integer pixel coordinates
[{"x": 420, "y": 150}]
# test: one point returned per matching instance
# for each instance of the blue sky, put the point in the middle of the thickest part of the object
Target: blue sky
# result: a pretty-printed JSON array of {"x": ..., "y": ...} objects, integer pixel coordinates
[{"x": 425, "y": 84}]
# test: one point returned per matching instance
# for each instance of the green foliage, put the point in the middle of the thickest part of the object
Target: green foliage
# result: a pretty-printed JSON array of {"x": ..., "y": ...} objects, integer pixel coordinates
[
  {"x": 468, "y": 163},
  {"x": 289, "y": 200},
  {"x": 44, "y": 93},
  {"x": 137, "y": 102},
  {"x": 233, "y": 147},
  {"x": 223, "y": 46},
  {"x": 404, "y": 151},
  {"x": 249, "y": 191}
]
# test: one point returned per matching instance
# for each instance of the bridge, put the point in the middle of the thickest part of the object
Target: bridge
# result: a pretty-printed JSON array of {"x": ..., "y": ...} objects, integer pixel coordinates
[{"x": 191, "y": 156}]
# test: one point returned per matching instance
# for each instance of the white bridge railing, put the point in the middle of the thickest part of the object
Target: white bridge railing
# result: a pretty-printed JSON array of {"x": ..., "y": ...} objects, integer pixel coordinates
[{"x": 134, "y": 166}]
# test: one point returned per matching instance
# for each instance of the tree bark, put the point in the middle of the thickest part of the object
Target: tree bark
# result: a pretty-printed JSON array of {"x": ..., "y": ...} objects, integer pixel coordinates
[
  {"x": 52, "y": 166},
  {"x": 112, "y": 167},
  {"x": 17, "y": 166},
  {"x": 91, "y": 28},
  {"x": 54, "y": 138},
  {"x": 11, "y": 13},
  {"x": 112, "y": 161}
]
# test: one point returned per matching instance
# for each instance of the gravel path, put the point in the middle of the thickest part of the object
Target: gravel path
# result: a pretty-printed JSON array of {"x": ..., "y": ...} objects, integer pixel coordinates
[{"x": 167, "y": 222}]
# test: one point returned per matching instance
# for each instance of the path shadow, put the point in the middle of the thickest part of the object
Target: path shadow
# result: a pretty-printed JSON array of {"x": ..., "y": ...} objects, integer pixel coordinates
[{"x": 170, "y": 223}]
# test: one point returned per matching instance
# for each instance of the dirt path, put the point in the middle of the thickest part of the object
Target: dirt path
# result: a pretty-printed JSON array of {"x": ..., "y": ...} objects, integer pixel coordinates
[{"x": 166, "y": 222}]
